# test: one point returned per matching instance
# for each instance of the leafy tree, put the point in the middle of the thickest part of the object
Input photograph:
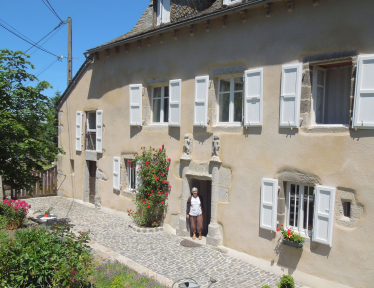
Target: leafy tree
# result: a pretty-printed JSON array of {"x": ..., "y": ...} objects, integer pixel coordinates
[{"x": 24, "y": 114}]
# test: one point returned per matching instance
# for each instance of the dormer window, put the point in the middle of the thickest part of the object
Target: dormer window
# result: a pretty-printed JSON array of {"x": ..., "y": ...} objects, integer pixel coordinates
[
  {"x": 231, "y": 2},
  {"x": 163, "y": 11}
]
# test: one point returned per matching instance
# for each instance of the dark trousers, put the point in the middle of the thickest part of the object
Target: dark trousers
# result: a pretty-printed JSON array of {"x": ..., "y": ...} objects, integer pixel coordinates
[{"x": 196, "y": 223}]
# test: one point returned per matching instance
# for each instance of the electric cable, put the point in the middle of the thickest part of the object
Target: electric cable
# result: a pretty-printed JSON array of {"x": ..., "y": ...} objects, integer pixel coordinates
[
  {"x": 57, "y": 27},
  {"x": 24, "y": 38},
  {"x": 44, "y": 69},
  {"x": 51, "y": 9}
]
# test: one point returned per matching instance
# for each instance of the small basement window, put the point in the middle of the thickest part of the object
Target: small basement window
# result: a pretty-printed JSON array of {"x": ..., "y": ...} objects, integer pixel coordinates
[
  {"x": 300, "y": 208},
  {"x": 331, "y": 93},
  {"x": 347, "y": 209}
]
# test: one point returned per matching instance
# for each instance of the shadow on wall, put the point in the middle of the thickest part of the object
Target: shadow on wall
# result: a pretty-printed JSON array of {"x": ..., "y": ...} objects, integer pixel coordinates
[
  {"x": 361, "y": 133},
  {"x": 201, "y": 134},
  {"x": 134, "y": 130},
  {"x": 175, "y": 132},
  {"x": 288, "y": 256},
  {"x": 288, "y": 132},
  {"x": 252, "y": 131}
]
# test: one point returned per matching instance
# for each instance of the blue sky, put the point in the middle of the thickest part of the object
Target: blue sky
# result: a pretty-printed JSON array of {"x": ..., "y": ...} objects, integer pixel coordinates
[{"x": 94, "y": 23}]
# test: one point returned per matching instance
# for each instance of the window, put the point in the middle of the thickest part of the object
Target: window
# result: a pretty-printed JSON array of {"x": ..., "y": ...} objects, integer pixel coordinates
[
  {"x": 91, "y": 131},
  {"x": 163, "y": 11},
  {"x": 300, "y": 208},
  {"x": 231, "y": 2},
  {"x": 131, "y": 177},
  {"x": 331, "y": 94},
  {"x": 160, "y": 104},
  {"x": 230, "y": 100},
  {"x": 347, "y": 209}
]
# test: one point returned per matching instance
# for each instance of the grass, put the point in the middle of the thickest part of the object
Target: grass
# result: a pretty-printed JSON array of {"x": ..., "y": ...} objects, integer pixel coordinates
[{"x": 117, "y": 275}]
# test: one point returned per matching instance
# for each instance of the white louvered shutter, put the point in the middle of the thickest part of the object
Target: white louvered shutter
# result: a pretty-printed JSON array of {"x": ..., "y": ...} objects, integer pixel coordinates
[
  {"x": 269, "y": 204},
  {"x": 323, "y": 214},
  {"x": 253, "y": 97},
  {"x": 139, "y": 179},
  {"x": 159, "y": 11},
  {"x": 166, "y": 11},
  {"x": 175, "y": 103},
  {"x": 136, "y": 105},
  {"x": 116, "y": 173},
  {"x": 78, "y": 131},
  {"x": 99, "y": 131},
  {"x": 201, "y": 101},
  {"x": 363, "y": 113},
  {"x": 290, "y": 96}
]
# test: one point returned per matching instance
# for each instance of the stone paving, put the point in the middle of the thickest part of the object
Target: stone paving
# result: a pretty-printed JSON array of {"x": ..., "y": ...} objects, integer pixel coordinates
[{"x": 159, "y": 252}]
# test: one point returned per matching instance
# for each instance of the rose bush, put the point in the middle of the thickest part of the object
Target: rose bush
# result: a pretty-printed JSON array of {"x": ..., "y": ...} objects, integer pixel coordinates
[
  {"x": 153, "y": 186},
  {"x": 14, "y": 212}
]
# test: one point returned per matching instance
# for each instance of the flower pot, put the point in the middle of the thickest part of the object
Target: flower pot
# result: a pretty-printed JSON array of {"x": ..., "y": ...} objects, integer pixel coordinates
[
  {"x": 46, "y": 215},
  {"x": 292, "y": 244}
]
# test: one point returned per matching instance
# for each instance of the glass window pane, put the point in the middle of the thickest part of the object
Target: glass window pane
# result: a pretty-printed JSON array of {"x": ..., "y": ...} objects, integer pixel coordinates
[
  {"x": 319, "y": 105},
  {"x": 238, "y": 106},
  {"x": 92, "y": 121},
  {"x": 166, "y": 110},
  {"x": 166, "y": 91},
  {"x": 224, "y": 105},
  {"x": 224, "y": 85},
  {"x": 156, "y": 110},
  {"x": 157, "y": 92},
  {"x": 238, "y": 82},
  {"x": 321, "y": 77}
]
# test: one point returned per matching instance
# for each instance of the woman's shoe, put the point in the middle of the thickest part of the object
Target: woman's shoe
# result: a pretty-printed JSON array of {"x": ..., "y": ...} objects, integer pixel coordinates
[
  {"x": 194, "y": 236},
  {"x": 200, "y": 236}
]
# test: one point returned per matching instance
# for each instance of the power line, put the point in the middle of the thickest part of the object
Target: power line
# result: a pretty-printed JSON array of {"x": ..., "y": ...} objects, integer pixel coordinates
[
  {"x": 47, "y": 40},
  {"x": 58, "y": 26},
  {"x": 26, "y": 39},
  {"x": 51, "y": 9},
  {"x": 44, "y": 69}
]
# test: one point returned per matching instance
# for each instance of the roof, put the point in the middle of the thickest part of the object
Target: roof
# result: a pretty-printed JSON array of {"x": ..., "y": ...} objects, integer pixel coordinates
[{"x": 180, "y": 11}]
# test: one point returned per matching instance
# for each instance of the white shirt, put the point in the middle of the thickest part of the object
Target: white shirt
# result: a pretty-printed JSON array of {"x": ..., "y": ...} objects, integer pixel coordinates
[{"x": 195, "y": 209}]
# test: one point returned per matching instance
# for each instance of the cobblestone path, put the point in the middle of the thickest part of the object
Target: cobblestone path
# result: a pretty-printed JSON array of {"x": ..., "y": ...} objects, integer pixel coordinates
[{"x": 159, "y": 252}]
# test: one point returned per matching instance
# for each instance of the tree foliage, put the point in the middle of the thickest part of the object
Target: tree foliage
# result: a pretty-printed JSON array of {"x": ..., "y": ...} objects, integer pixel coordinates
[{"x": 25, "y": 144}]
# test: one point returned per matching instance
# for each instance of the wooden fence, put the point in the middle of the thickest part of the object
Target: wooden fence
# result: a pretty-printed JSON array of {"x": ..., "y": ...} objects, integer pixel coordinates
[{"x": 47, "y": 187}]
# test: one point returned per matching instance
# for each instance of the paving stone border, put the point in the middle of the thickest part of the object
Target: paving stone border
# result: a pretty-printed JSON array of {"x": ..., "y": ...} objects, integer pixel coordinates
[{"x": 146, "y": 230}]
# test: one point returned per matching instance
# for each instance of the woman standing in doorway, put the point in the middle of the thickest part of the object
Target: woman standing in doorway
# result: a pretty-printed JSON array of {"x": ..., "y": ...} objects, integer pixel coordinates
[{"x": 195, "y": 212}]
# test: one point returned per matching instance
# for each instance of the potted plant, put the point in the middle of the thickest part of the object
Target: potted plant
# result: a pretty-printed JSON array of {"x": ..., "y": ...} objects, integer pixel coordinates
[
  {"x": 47, "y": 212},
  {"x": 291, "y": 238}
]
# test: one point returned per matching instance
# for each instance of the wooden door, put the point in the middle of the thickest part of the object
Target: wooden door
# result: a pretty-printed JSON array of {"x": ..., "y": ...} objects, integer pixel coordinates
[{"x": 92, "y": 179}]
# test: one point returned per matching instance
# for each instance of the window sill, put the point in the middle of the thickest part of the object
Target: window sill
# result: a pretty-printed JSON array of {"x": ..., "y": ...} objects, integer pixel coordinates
[
  {"x": 128, "y": 193},
  {"x": 239, "y": 124},
  {"x": 157, "y": 126},
  {"x": 332, "y": 128}
]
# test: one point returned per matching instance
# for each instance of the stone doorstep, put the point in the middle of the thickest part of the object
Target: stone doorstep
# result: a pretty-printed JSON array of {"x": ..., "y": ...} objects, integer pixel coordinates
[{"x": 106, "y": 253}]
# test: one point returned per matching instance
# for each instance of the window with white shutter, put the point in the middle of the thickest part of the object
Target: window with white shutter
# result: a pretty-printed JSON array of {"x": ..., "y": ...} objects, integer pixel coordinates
[
  {"x": 269, "y": 204},
  {"x": 99, "y": 131},
  {"x": 363, "y": 113},
  {"x": 116, "y": 173},
  {"x": 253, "y": 97},
  {"x": 290, "y": 96},
  {"x": 136, "y": 105},
  {"x": 323, "y": 214},
  {"x": 78, "y": 131},
  {"x": 175, "y": 102},
  {"x": 201, "y": 101}
]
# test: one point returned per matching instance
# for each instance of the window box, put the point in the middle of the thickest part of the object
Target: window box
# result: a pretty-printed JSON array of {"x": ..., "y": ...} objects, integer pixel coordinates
[{"x": 292, "y": 244}]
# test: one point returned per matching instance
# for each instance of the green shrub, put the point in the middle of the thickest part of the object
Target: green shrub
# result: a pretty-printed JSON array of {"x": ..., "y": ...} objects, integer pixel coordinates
[
  {"x": 38, "y": 257},
  {"x": 286, "y": 281},
  {"x": 153, "y": 191},
  {"x": 117, "y": 275},
  {"x": 14, "y": 212},
  {"x": 266, "y": 286}
]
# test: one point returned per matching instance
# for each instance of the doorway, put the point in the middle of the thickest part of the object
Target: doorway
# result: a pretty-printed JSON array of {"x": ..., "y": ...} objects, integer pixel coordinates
[
  {"x": 92, "y": 180},
  {"x": 205, "y": 190}
]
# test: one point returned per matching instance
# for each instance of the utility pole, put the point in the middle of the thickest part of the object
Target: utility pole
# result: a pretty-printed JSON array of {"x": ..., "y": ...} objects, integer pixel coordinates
[{"x": 70, "y": 56}]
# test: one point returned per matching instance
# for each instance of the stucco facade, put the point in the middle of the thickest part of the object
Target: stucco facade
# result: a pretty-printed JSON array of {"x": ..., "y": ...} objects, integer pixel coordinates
[{"x": 339, "y": 157}]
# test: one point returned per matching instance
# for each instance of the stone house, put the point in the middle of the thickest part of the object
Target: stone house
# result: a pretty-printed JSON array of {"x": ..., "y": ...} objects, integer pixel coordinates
[{"x": 267, "y": 106}]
